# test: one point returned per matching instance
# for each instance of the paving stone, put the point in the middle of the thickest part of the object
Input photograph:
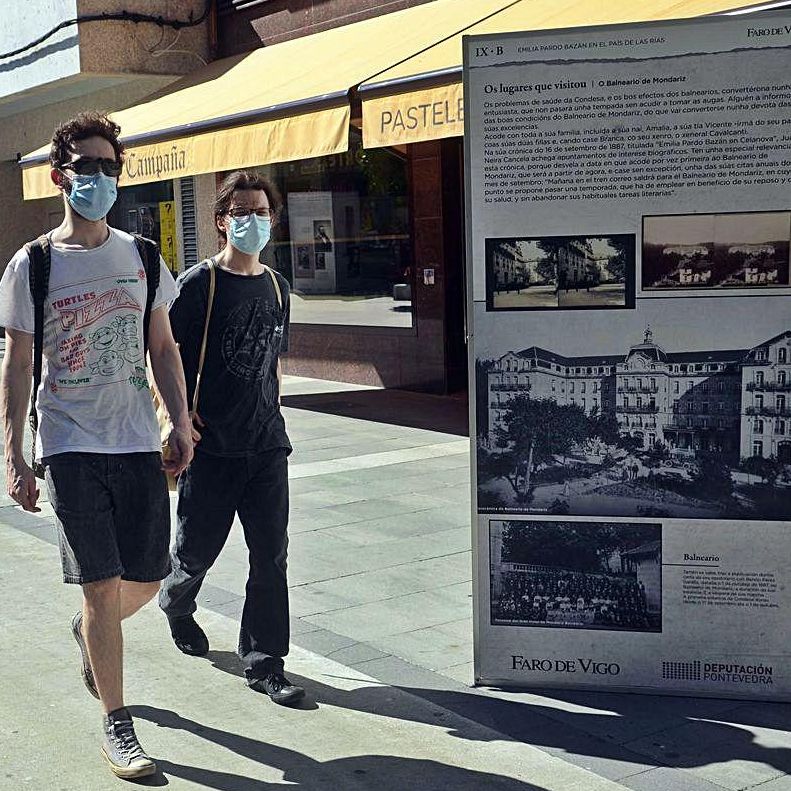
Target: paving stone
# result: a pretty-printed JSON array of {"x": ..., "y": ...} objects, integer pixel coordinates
[
  {"x": 464, "y": 673},
  {"x": 778, "y": 784},
  {"x": 356, "y": 654},
  {"x": 717, "y": 752},
  {"x": 324, "y": 642},
  {"x": 394, "y": 616},
  {"x": 435, "y": 647},
  {"x": 380, "y": 567},
  {"x": 666, "y": 779}
]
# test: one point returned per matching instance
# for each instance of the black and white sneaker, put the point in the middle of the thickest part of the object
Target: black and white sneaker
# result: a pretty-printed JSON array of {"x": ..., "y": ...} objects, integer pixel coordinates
[
  {"x": 188, "y": 636},
  {"x": 278, "y": 687},
  {"x": 87, "y": 672},
  {"x": 121, "y": 748}
]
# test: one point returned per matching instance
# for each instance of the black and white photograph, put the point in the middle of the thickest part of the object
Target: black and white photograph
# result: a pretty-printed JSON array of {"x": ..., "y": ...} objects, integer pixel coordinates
[
  {"x": 560, "y": 272},
  {"x": 576, "y": 575},
  {"x": 681, "y": 409},
  {"x": 322, "y": 236},
  {"x": 304, "y": 266},
  {"x": 716, "y": 251}
]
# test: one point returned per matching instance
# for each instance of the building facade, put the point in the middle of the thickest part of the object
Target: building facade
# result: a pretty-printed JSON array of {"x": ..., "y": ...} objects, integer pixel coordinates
[
  {"x": 513, "y": 268},
  {"x": 103, "y": 65},
  {"x": 576, "y": 264},
  {"x": 736, "y": 403}
]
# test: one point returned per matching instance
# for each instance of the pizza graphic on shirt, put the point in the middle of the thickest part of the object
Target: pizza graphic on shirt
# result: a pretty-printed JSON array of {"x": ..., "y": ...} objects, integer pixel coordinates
[
  {"x": 84, "y": 314},
  {"x": 104, "y": 350}
]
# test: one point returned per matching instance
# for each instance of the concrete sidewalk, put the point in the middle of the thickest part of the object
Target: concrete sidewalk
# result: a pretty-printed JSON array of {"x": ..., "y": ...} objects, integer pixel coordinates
[{"x": 381, "y": 606}]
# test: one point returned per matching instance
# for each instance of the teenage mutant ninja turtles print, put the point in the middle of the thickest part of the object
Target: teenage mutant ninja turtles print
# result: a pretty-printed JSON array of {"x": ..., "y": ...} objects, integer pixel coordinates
[{"x": 94, "y": 365}]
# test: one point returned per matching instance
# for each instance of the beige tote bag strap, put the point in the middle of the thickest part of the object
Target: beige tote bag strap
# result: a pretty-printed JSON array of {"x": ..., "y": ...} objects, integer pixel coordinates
[
  {"x": 202, "y": 357},
  {"x": 276, "y": 285}
]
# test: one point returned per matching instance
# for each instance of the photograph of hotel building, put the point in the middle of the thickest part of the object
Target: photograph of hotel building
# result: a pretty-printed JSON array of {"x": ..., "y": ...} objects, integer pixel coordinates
[
  {"x": 670, "y": 413},
  {"x": 559, "y": 272},
  {"x": 716, "y": 251}
]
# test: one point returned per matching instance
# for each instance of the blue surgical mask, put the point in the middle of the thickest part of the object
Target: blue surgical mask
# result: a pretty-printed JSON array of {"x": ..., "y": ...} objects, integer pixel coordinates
[
  {"x": 250, "y": 235},
  {"x": 92, "y": 196}
]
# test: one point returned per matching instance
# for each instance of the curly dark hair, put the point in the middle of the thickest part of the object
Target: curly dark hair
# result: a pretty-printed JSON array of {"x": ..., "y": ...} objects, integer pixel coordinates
[
  {"x": 81, "y": 127},
  {"x": 245, "y": 180}
]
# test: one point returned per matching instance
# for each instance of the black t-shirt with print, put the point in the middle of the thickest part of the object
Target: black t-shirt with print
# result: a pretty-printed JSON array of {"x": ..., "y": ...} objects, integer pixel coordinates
[{"x": 248, "y": 330}]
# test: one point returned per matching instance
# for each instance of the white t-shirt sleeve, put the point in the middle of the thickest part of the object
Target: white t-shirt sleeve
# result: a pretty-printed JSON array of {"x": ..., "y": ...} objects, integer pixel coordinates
[
  {"x": 16, "y": 304},
  {"x": 167, "y": 290}
]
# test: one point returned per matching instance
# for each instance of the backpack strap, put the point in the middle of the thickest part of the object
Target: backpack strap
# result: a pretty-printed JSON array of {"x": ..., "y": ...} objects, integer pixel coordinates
[
  {"x": 39, "y": 264},
  {"x": 276, "y": 285},
  {"x": 148, "y": 251}
]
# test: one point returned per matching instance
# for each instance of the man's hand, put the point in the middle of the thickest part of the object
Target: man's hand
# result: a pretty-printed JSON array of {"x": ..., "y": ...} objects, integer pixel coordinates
[
  {"x": 197, "y": 422},
  {"x": 21, "y": 485},
  {"x": 179, "y": 453}
]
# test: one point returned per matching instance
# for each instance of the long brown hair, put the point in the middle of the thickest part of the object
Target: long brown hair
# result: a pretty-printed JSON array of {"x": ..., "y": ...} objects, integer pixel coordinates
[{"x": 244, "y": 180}]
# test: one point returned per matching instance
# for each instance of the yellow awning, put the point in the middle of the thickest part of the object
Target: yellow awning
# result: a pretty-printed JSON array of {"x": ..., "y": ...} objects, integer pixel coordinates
[
  {"x": 421, "y": 98},
  {"x": 279, "y": 103}
]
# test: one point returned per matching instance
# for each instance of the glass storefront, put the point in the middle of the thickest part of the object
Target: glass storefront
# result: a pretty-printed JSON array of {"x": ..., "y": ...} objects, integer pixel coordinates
[
  {"x": 343, "y": 241},
  {"x": 150, "y": 210}
]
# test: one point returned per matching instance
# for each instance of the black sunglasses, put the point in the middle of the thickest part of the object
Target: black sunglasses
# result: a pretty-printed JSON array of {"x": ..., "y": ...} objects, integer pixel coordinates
[{"x": 90, "y": 166}]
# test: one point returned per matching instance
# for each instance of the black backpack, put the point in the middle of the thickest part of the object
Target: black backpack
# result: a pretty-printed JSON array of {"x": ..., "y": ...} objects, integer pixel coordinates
[{"x": 40, "y": 259}]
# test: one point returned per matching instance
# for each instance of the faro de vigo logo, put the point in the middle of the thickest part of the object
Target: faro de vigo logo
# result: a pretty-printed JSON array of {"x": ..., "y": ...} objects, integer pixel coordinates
[{"x": 586, "y": 666}]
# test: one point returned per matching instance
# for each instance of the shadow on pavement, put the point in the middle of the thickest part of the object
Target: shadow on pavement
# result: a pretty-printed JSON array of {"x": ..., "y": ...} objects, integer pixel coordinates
[
  {"x": 446, "y": 414},
  {"x": 361, "y": 771},
  {"x": 672, "y": 731}
]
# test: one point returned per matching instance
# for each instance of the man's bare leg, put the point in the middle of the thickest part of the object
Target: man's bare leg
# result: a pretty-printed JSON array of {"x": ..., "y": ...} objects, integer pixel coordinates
[
  {"x": 101, "y": 628},
  {"x": 104, "y": 604},
  {"x": 135, "y": 595}
]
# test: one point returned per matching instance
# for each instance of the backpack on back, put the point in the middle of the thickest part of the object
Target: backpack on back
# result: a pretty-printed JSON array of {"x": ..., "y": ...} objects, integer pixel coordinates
[{"x": 40, "y": 261}]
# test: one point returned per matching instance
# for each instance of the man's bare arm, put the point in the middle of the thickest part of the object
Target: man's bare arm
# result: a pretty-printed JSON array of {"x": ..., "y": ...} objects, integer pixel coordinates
[
  {"x": 14, "y": 398},
  {"x": 169, "y": 381},
  {"x": 279, "y": 381}
]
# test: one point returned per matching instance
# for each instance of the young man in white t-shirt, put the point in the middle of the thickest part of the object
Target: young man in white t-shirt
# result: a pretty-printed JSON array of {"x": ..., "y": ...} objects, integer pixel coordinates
[{"x": 98, "y": 437}]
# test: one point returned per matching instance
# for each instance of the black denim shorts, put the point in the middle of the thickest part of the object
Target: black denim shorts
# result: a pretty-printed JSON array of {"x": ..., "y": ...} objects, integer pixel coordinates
[{"x": 113, "y": 515}]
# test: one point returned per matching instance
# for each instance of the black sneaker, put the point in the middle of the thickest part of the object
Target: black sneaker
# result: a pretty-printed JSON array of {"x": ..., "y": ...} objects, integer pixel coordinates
[
  {"x": 189, "y": 637},
  {"x": 87, "y": 673},
  {"x": 278, "y": 687},
  {"x": 122, "y": 749}
]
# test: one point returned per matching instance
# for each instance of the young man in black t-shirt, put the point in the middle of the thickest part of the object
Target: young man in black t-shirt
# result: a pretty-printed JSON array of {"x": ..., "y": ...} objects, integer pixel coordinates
[{"x": 240, "y": 463}]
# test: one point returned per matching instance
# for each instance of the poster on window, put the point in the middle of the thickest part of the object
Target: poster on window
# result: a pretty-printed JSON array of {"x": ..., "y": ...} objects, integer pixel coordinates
[
  {"x": 629, "y": 221},
  {"x": 168, "y": 238},
  {"x": 312, "y": 242}
]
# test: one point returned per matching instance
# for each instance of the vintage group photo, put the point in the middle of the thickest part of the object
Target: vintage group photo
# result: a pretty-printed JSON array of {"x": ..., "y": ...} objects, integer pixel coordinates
[
  {"x": 716, "y": 251},
  {"x": 576, "y": 575},
  {"x": 560, "y": 272},
  {"x": 681, "y": 408}
]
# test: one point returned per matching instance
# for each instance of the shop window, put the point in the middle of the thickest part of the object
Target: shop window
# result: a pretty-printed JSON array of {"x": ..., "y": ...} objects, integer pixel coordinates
[{"x": 343, "y": 241}]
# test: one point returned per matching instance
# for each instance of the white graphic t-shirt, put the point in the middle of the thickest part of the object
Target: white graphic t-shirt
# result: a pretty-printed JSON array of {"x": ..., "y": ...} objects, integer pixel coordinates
[{"x": 94, "y": 394}]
